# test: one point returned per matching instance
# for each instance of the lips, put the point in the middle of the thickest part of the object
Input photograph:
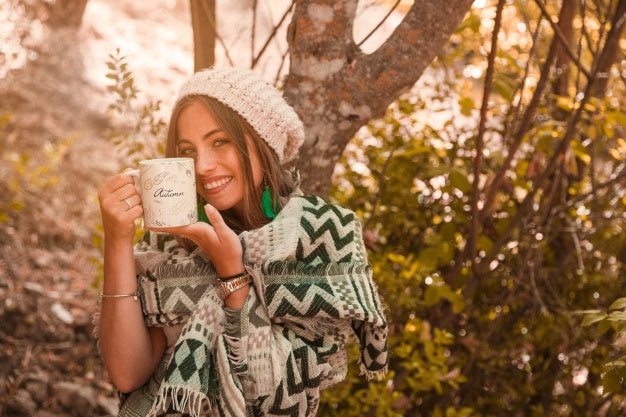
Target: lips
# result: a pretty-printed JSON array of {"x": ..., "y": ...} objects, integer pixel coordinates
[{"x": 216, "y": 185}]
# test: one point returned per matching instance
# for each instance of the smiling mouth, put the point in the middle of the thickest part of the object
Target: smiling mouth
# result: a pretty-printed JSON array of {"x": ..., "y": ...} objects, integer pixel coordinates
[{"x": 213, "y": 185}]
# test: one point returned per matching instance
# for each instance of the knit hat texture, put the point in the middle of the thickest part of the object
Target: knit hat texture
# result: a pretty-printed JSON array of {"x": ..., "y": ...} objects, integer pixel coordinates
[{"x": 254, "y": 99}]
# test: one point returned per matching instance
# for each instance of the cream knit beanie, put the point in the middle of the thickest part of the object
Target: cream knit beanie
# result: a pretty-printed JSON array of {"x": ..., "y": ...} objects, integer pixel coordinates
[{"x": 254, "y": 99}]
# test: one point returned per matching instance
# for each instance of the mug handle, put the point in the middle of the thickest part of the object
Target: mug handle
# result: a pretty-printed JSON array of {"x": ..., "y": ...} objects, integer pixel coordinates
[{"x": 134, "y": 174}]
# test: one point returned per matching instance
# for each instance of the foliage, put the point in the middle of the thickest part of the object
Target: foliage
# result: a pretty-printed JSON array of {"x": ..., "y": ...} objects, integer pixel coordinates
[
  {"x": 138, "y": 135},
  {"x": 23, "y": 177},
  {"x": 485, "y": 316},
  {"x": 141, "y": 138}
]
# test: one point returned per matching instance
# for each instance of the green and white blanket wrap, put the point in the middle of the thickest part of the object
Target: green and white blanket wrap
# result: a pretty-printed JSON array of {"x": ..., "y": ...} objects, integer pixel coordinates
[{"x": 312, "y": 287}]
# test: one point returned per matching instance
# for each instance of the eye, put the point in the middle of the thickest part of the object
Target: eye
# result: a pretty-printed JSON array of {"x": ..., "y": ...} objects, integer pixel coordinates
[
  {"x": 186, "y": 151},
  {"x": 218, "y": 143}
]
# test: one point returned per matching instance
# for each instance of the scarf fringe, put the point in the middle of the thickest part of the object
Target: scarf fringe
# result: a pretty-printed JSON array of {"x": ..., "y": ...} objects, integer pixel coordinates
[
  {"x": 370, "y": 375},
  {"x": 299, "y": 268},
  {"x": 185, "y": 270},
  {"x": 237, "y": 352},
  {"x": 181, "y": 400}
]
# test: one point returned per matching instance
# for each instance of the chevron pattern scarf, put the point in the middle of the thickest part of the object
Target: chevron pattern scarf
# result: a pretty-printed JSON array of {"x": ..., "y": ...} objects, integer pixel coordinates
[{"x": 312, "y": 289}]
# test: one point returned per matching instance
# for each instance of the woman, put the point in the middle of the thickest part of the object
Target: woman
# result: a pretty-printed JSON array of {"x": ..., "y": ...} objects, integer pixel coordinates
[{"x": 247, "y": 312}]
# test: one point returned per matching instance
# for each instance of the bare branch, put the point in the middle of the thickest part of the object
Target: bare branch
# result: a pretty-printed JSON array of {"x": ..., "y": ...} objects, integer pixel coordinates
[
  {"x": 280, "y": 67},
  {"x": 559, "y": 33},
  {"x": 565, "y": 141},
  {"x": 379, "y": 24},
  {"x": 475, "y": 225},
  {"x": 255, "y": 60},
  {"x": 514, "y": 113},
  {"x": 616, "y": 179},
  {"x": 253, "y": 32},
  {"x": 521, "y": 130}
]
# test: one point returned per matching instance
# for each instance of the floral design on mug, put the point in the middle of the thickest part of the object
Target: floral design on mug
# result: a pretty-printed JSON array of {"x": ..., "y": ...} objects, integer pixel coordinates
[
  {"x": 182, "y": 167},
  {"x": 160, "y": 177},
  {"x": 168, "y": 193}
]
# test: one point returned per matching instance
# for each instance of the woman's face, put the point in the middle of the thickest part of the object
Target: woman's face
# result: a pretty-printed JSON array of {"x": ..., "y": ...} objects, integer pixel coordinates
[{"x": 219, "y": 175}]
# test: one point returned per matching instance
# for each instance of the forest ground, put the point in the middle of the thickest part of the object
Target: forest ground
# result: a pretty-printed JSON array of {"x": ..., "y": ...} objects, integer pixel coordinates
[{"x": 57, "y": 100}]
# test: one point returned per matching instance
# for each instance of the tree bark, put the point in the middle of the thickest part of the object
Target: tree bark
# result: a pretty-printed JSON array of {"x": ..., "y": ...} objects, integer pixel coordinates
[
  {"x": 65, "y": 13},
  {"x": 336, "y": 88},
  {"x": 204, "y": 33},
  {"x": 607, "y": 60},
  {"x": 563, "y": 61}
]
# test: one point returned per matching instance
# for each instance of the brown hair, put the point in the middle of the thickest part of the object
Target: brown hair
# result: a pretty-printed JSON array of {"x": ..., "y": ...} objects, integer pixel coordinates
[{"x": 277, "y": 178}]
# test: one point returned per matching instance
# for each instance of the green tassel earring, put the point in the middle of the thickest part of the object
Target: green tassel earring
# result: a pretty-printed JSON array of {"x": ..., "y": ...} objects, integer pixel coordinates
[
  {"x": 269, "y": 210},
  {"x": 202, "y": 217}
]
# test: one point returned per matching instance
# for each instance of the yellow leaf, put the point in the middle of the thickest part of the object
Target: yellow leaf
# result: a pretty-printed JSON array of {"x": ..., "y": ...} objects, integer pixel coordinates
[{"x": 615, "y": 154}]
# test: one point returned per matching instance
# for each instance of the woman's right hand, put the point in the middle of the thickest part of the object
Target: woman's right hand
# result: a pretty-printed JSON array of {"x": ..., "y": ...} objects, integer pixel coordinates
[{"x": 120, "y": 205}]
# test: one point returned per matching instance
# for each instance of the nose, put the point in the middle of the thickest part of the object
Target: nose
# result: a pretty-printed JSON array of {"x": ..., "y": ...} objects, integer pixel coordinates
[{"x": 205, "y": 162}]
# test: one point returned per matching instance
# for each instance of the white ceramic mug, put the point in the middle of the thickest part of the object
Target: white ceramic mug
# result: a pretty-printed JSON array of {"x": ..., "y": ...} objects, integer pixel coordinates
[{"x": 167, "y": 188}]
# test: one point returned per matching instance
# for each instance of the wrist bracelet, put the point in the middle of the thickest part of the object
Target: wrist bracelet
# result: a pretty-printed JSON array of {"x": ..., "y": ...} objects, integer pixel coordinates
[
  {"x": 231, "y": 277},
  {"x": 134, "y": 295},
  {"x": 228, "y": 287}
]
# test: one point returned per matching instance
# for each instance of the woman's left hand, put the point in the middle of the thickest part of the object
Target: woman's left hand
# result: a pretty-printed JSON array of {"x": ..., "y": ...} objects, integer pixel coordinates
[{"x": 218, "y": 241}]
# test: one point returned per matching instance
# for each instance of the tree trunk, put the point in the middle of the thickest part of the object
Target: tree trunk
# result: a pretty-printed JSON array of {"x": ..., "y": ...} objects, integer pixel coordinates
[
  {"x": 336, "y": 88},
  {"x": 604, "y": 66},
  {"x": 65, "y": 13},
  {"x": 204, "y": 33},
  {"x": 563, "y": 61}
]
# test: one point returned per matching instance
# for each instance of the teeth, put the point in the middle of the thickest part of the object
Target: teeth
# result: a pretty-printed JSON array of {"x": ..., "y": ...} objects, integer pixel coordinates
[{"x": 218, "y": 183}]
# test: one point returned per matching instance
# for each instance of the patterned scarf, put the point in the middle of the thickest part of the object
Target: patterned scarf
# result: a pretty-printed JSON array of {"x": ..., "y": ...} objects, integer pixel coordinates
[{"x": 312, "y": 288}]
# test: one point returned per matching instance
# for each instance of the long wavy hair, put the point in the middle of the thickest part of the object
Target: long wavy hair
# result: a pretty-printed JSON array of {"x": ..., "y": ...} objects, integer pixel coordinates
[{"x": 277, "y": 177}]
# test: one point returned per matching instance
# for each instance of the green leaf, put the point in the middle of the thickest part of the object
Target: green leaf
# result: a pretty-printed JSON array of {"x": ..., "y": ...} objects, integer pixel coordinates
[
  {"x": 504, "y": 87},
  {"x": 618, "y": 304},
  {"x": 592, "y": 318},
  {"x": 580, "y": 151},
  {"x": 458, "y": 179},
  {"x": 604, "y": 326},
  {"x": 467, "y": 105},
  {"x": 484, "y": 243},
  {"x": 612, "y": 381},
  {"x": 617, "y": 316}
]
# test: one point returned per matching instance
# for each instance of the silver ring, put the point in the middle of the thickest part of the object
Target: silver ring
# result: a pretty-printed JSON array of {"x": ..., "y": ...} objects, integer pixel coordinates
[{"x": 130, "y": 206}]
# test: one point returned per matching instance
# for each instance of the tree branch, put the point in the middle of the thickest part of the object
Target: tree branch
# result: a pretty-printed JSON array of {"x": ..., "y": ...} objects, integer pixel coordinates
[
  {"x": 521, "y": 130},
  {"x": 571, "y": 129},
  {"x": 255, "y": 60},
  {"x": 559, "y": 33},
  {"x": 491, "y": 58},
  {"x": 383, "y": 20},
  {"x": 426, "y": 22}
]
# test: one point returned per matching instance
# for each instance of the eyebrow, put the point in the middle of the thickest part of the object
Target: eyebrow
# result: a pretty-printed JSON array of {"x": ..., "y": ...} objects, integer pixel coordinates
[{"x": 204, "y": 137}]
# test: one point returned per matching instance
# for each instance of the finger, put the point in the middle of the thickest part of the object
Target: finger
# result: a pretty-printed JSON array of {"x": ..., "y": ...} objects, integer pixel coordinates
[
  {"x": 216, "y": 219},
  {"x": 189, "y": 230},
  {"x": 136, "y": 212},
  {"x": 121, "y": 180},
  {"x": 127, "y": 191},
  {"x": 131, "y": 201}
]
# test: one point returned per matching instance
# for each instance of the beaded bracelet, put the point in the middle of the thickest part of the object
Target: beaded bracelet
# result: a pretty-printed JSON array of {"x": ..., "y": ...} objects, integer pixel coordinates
[{"x": 134, "y": 295}]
